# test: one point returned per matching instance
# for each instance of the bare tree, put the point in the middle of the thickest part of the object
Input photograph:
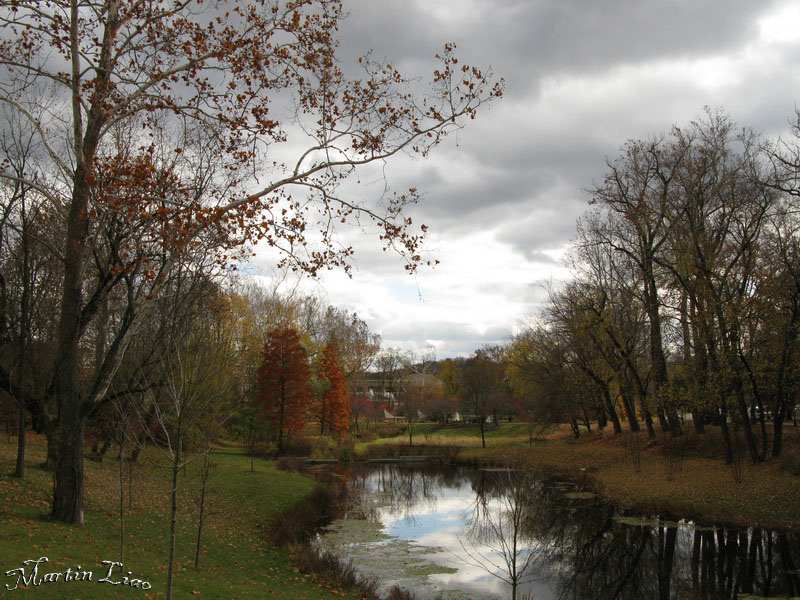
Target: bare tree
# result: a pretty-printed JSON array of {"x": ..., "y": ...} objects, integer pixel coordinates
[
  {"x": 188, "y": 400},
  {"x": 636, "y": 193},
  {"x": 480, "y": 381},
  {"x": 420, "y": 387},
  {"x": 391, "y": 371}
]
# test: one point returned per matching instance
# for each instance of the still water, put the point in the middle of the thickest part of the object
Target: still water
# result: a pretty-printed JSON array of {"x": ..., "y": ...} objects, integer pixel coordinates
[{"x": 490, "y": 534}]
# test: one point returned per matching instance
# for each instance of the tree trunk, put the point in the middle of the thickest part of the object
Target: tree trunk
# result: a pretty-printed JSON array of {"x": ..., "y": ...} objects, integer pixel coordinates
[
  {"x": 641, "y": 393},
  {"x": 697, "y": 422},
  {"x": 51, "y": 435},
  {"x": 745, "y": 417},
  {"x": 662, "y": 418},
  {"x": 612, "y": 411},
  {"x": 205, "y": 470},
  {"x": 173, "y": 508},
  {"x": 24, "y": 335},
  {"x": 659, "y": 363},
  {"x": 19, "y": 470},
  {"x": 784, "y": 404},
  {"x": 689, "y": 362},
  {"x": 573, "y": 422},
  {"x": 648, "y": 422},
  {"x": 280, "y": 422},
  {"x": 99, "y": 453},
  {"x": 609, "y": 404},
  {"x": 627, "y": 405},
  {"x": 777, "y": 434},
  {"x": 726, "y": 436},
  {"x": 764, "y": 435},
  {"x": 602, "y": 419},
  {"x": 68, "y": 489},
  {"x": 121, "y": 504},
  {"x": 323, "y": 410}
]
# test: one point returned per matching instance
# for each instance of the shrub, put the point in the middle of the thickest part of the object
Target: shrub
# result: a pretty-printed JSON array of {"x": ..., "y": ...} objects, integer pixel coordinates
[
  {"x": 328, "y": 566},
  {"x": 297, "y": 445},
  {"x": 297, "y": 524},
  {"x": 323, "y": 447},
  {"x": 366, "y": 436},
  {"x": 388, "y": 430},
  {"x": 441, "y": 451},
  {"x": 262, "y": 450}
]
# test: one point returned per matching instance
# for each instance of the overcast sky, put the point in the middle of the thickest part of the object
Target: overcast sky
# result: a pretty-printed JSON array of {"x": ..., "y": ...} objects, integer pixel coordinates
[{"x": 582, "y": 77}]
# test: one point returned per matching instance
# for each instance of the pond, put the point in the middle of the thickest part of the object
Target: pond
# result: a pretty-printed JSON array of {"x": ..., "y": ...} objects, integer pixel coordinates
[{"x": 460, "y": 533}]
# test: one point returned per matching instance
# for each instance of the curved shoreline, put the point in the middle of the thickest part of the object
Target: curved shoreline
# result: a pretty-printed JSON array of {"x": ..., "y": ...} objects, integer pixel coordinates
[
  {"x": 691, "y": 486},
  {"x": 764, "y": 498}
]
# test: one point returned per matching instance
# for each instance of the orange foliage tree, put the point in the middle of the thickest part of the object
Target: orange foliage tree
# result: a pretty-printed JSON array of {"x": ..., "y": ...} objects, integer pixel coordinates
[
  {"x": 334, "y": 408},
  {"x": 284, "y": 384}
]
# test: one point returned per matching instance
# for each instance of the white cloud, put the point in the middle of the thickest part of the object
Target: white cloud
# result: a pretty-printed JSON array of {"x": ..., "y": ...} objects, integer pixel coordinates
[
  {"x": 780, "y": 26},
  {"x": 501, "y": 198}
]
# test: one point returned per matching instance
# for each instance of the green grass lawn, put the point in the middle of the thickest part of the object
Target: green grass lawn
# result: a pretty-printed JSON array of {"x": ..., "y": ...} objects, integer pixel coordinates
[
  {"x": 465, "y": 434},
  {"x": 235, "y": 561}
]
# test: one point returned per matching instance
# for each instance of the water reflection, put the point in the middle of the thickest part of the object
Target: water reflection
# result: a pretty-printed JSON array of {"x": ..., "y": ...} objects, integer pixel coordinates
[
  {"x": 491, "y": 534},
  {"x": 502, "y": 536}
]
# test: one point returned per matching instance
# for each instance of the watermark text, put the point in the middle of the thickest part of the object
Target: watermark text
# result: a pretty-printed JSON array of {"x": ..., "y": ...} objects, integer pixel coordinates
[{"x": 32, "y": 573}]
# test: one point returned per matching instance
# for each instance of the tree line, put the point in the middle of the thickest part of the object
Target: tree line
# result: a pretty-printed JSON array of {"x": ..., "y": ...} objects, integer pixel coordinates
[{"x": 684, "y": 306}]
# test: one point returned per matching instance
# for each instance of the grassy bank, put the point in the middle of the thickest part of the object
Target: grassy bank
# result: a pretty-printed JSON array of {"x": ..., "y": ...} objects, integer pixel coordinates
[
  {"x": 235, "y": 562},
  {"x": 684, "y": 477}
]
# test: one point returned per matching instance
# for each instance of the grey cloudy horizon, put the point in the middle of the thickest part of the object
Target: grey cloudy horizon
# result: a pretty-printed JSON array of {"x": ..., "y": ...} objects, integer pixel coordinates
[{"x": 501, "y": 198}]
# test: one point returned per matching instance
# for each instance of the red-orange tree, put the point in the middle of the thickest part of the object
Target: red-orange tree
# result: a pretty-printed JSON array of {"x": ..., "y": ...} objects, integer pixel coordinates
[
  {"x": 283, "y": 383},
  {"x": 333, "y": 408},
  {"x": 239, "y": 120}
]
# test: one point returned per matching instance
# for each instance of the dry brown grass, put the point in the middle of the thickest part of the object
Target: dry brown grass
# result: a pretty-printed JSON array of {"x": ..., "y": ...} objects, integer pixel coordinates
[{"x": 685, "y": 477}]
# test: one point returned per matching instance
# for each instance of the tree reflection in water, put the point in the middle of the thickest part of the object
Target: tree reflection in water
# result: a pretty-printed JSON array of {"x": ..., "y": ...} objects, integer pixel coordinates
[
  {"x": 402, "y": 490},
  {"x": 525, "y": 529},
  {"x": 627, "y": 561},
  {"x": 501, "y": 537}
]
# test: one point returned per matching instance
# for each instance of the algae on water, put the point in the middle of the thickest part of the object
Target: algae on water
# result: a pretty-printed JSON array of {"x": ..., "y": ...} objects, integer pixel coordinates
[{"x": 385, "y": 558}]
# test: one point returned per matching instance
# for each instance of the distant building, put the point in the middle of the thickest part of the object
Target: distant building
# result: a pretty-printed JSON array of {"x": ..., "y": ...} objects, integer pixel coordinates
[{"x": 390, "y": 418}]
